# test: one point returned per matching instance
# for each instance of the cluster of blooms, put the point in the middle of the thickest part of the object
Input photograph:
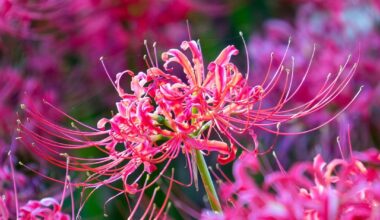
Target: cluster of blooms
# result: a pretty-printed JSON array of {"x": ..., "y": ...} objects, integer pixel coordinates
[
  {"x": 165, "y": 115},
  {"x": 339, "y": 189}
]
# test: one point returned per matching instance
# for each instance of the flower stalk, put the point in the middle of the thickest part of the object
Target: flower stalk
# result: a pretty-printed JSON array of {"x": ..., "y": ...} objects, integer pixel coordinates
[
  {"x": 204, "y": 172},
  {"x": 207, "y": 182}
]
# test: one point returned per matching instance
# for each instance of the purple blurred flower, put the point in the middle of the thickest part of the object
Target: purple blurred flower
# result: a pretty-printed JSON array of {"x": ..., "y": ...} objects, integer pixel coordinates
[
  {"x": 15, "y": 89},
  {"x": 342, "y": 188}
]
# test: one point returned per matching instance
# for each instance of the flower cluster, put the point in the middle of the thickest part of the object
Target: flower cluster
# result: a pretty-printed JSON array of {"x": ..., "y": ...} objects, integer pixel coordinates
[{"x": 339, "y": 189}]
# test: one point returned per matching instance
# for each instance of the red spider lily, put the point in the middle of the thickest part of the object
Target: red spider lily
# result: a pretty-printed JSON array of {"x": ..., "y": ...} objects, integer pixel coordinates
[
  {"x": 165, "y": 115},
  {"x": 340, "y": 189}
]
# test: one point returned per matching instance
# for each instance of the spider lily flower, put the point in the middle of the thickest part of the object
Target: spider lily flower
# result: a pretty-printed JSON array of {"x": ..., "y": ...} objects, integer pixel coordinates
[
  {"x": 164, "y": 116},
  {"x": 339, "y": 189}
]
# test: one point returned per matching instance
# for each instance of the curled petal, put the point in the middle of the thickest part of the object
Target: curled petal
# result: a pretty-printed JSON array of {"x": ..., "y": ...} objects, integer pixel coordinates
[
  {"x": 229, "y": 157},
  {"x": 102, "y": 122},
  {"x": 51, "y": 202},
  {"x": 149, "y": 167},
  {"x": 154, "y": 73},
  {"x": 117, "y": 81},
  {"x": 197, "y": 59},
  {"x": 174, "y": 55},
  {"x": 225, "y": 56},
  {"x": 319, "y": 165},
  {"x": 137, "y": 84},
  {"x": 209, "y": 145},
  {"x": 128, "y": 170}
]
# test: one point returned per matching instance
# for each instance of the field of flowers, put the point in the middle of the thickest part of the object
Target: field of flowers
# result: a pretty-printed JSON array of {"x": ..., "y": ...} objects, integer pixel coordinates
[{"x": 189, "y": 109}]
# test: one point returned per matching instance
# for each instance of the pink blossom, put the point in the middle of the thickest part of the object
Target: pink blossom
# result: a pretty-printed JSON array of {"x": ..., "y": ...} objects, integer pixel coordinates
[{"x": 47, "y": 208}]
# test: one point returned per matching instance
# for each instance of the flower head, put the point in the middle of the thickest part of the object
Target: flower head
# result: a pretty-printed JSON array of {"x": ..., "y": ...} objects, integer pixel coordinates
[{"x": 165, "y": 115}]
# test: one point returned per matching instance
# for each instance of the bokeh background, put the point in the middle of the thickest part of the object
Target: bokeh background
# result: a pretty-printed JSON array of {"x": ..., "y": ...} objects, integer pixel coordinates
[{"x": 50, "y": 50}]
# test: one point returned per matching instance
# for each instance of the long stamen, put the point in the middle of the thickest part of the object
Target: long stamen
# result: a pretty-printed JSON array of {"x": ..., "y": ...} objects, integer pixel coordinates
[
  {"x": 278, "y": 162},
  {"x": 66, "y": 178},
  {"x": 188, "y": 29},
  {"x": 246, "y": 55},
  {"x": 107, "y": 73},
  {"x": 166, "y": 198},
  {"x": 340, "y": 147},
  {"x": 139, "y": 199},
  {"x": 349, "y": 141},
  {"x": 146, "y": 61},
  {"x": 148, "y": 52},
  {"x": 150, "y": 203},
  {"x": 155, "y": 53}
]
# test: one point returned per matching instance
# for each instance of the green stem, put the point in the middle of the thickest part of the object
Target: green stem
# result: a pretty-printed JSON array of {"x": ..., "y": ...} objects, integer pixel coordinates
[{"x": 207, "y": 182}]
